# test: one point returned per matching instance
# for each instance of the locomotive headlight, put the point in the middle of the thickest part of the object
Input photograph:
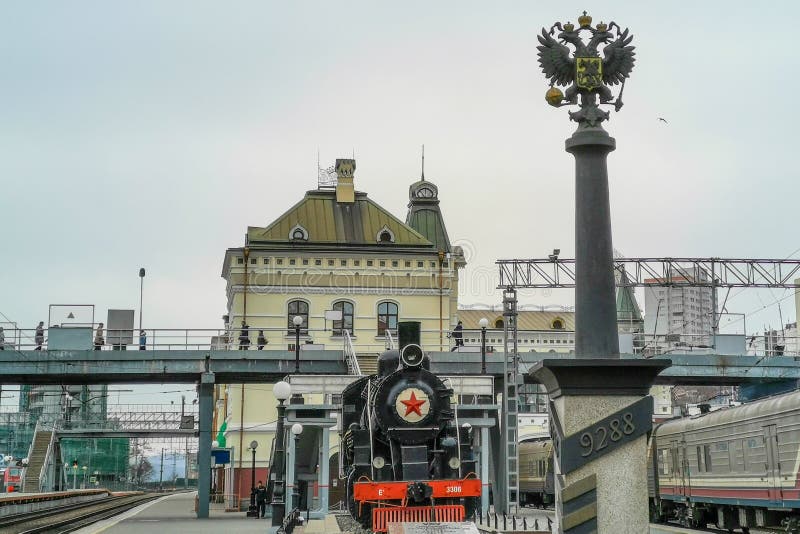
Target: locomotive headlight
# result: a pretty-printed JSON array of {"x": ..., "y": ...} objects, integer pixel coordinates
[
  {"x": 454, "y": 462},
  {"x": 378, "y": 462}
]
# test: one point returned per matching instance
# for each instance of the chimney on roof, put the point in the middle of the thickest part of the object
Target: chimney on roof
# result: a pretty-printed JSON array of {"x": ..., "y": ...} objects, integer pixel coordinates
[{"x": 345, "y": 192}]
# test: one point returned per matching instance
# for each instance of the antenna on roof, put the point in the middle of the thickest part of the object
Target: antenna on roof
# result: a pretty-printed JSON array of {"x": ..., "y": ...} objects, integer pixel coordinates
[{"x": 423, "y": 162}]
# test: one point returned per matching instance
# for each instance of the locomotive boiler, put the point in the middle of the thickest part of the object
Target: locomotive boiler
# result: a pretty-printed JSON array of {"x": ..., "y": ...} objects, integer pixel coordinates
[{"x": 405, "y": 456}]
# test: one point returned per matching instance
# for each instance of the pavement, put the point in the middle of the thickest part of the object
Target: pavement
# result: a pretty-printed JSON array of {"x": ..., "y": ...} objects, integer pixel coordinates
[{"x": 175, "y": 513}]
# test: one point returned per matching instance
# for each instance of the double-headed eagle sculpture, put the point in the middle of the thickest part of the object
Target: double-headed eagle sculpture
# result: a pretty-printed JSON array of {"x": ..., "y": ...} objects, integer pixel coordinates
[{"x": 583, "y": 71}]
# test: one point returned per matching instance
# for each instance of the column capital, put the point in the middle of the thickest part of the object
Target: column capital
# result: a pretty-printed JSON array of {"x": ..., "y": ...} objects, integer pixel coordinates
[{"x": 598, "y": 376}]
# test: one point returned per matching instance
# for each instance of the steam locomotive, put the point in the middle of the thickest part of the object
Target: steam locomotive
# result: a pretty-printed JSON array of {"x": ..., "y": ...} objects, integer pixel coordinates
[{"x": 405, "y": 457}]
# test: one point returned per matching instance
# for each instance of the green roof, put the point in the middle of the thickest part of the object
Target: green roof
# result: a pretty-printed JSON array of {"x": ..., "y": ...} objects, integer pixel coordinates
[
  {"x": 327, "y": 221},
  {"x": 425, "y": 216},
  {"x": 627, "y": 307}
]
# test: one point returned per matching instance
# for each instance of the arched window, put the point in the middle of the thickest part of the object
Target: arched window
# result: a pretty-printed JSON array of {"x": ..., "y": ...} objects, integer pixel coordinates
[
  {"x": 498, "y": 323},
  {"x": 557, "y": 324},
  {"x": 297, "y": 307},
  {"x": 347, "y": 318},
  {"x": 387, "y": 317}
]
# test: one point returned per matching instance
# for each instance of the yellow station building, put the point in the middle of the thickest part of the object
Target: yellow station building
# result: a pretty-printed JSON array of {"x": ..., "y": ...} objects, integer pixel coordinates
[{"x": 350, "y": 269}]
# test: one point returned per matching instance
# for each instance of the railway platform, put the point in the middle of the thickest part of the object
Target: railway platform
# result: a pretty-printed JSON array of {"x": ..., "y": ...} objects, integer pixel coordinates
[
  {"x": 176, "y": 513},
  {"x": 14, "y": 503}
]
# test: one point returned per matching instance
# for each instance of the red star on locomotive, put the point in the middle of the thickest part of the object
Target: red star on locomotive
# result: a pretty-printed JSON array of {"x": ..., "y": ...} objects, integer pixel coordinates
[{"x": 413, "y": 405}]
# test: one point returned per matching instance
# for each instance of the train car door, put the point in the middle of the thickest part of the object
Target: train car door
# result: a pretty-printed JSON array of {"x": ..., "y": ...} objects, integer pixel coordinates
[
  {"x": 773, "y": 463},
  {"x": 678, "y": 471}
]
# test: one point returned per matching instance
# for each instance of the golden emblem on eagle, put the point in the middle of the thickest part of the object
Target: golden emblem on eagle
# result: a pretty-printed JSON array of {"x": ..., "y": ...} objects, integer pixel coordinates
[{"x": 582, "y": 70}]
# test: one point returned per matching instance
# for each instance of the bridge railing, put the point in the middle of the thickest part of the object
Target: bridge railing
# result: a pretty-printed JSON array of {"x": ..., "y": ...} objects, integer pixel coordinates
[{"x": 776, "y": 343}]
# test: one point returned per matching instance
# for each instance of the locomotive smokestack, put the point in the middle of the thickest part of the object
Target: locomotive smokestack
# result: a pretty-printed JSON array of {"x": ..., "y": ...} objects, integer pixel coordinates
[
  {"x": 408, "y": 332},
  {"x": 411, "y": 353}
]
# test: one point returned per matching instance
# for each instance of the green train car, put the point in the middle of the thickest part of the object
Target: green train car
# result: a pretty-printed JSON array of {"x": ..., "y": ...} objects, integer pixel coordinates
[{"x": 536, "y": 486}]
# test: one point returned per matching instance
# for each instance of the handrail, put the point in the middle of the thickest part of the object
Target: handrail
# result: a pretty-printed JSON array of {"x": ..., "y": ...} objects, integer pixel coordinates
[
  {"x": 389, "y": 340},
  {"x": 30, "y": 453},
  {"x": 353, "y": 367},
  {"x": 47, "y": 455}
]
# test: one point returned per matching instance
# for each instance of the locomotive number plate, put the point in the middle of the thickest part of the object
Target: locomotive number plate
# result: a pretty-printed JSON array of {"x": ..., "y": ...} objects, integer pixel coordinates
[{"x": 604, "y": 436}]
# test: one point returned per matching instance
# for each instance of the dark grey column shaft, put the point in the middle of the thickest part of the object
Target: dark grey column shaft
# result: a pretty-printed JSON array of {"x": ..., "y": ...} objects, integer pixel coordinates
[
  {"x": 595, "y": 299},
  {"x": 206, "y": 411}
]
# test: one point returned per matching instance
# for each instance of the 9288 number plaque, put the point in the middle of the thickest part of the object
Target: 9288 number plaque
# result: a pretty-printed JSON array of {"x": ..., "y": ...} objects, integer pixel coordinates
[{"x": 604, "y": 436}]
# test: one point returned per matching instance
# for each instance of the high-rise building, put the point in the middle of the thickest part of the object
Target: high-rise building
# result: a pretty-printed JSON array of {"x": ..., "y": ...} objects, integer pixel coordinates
[{"x": 678, "y": 316}]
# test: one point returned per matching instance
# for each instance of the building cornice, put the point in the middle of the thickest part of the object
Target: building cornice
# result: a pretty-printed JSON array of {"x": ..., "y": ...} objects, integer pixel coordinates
[{"x": 322, "y": 290}]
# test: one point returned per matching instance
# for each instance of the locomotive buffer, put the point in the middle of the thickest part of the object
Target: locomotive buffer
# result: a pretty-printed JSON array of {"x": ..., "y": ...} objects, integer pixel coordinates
[{"x": 600, "y": 411}]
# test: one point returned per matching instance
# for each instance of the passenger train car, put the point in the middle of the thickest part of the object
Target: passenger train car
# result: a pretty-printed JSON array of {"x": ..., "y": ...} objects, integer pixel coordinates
[
  {"x": 738, "y": 467},
  {"x": 405, "y": 457},
  {"x": 536, "y": 485}
]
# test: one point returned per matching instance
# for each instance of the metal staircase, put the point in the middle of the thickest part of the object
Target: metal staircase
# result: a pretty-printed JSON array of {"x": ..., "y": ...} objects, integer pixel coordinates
[
  {"x": 38, "y": 460},
  {"x": 367, "y": 362}
]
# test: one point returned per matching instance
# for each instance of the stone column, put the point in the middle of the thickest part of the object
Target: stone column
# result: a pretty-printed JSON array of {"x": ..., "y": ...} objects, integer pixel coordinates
[
  {"x": 595, "y": 300},
  {"x": 600, "y": 411}
]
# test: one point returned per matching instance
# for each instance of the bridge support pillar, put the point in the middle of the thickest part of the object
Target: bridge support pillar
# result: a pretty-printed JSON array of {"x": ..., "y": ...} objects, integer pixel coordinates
[
  {"x": 206, "y": 410},
  {"x": 485, "y": 473}
]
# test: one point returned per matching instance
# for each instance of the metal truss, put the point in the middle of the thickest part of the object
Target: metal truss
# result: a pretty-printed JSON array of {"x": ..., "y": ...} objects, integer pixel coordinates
[{"x": 665, "y": 272}]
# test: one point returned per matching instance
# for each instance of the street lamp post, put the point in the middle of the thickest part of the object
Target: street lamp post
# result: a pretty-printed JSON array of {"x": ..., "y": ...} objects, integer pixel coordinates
[
  {"x": 141, "y": 293},
  {"x": 297, "y": 429},
  {"x": 253, "y": 510},
  {"x": 483, "y": 323},
  {"x": 282, "y": 391},
  {"x": 75, "y": 474},
  {"x": 298, "y": 321},
  {"x": 84, "y": 468}
]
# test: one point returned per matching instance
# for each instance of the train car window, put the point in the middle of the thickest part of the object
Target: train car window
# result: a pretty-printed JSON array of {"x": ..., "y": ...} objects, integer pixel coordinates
[
  {"x": 664, "y": 461},
  {"x": 701, "y": 460},
  {"x": 720, "y": 458},
  {"x": 709, "y": 466},
  {"x": 755, "y": 454}
]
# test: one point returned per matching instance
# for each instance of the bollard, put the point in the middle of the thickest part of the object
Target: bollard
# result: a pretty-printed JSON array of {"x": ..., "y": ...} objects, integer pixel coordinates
[
  {"x": 505, "y": 518},
  {"x": 513, "y": 522},
  {"x": 495, "y": 520},
  {"x": 524, "y": 523},
  {"x": 535, "y": 524}
]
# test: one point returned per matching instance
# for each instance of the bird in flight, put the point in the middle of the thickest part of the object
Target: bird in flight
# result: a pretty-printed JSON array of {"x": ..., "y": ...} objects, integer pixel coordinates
[{"x": 662, "y": 119}]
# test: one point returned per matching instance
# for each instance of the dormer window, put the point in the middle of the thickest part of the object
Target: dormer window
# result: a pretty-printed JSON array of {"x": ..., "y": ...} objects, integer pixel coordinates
[
  {"x": 298, "y": 233},
  {"x": 385, "y": 235},
  {"x": 557, "y": 324}
]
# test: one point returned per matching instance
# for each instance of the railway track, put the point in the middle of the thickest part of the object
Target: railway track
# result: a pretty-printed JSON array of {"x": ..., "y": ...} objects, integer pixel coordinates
[{"x": 71, "y": 518}]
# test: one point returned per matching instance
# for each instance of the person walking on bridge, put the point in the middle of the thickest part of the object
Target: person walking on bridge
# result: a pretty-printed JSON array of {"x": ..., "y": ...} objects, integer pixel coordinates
[
  {"x": 244, "y": 337},
  {"x": 39, "y": 336},
  {"x": 98, "y": 337},
  {"x": 458, "y": 335}
]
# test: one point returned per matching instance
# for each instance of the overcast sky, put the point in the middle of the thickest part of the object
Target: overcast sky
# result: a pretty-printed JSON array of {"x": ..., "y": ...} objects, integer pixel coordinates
[{"x": 152, "y": 133}]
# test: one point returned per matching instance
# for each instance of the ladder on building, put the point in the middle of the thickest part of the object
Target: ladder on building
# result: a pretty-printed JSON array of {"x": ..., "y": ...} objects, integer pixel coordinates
[{"x": 509, "y": 425}]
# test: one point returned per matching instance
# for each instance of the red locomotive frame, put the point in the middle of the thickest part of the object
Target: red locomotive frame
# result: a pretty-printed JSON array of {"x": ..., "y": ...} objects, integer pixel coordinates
[
  {"x": 396, "y": 491},
  {"x": 366, "y": 491}
]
